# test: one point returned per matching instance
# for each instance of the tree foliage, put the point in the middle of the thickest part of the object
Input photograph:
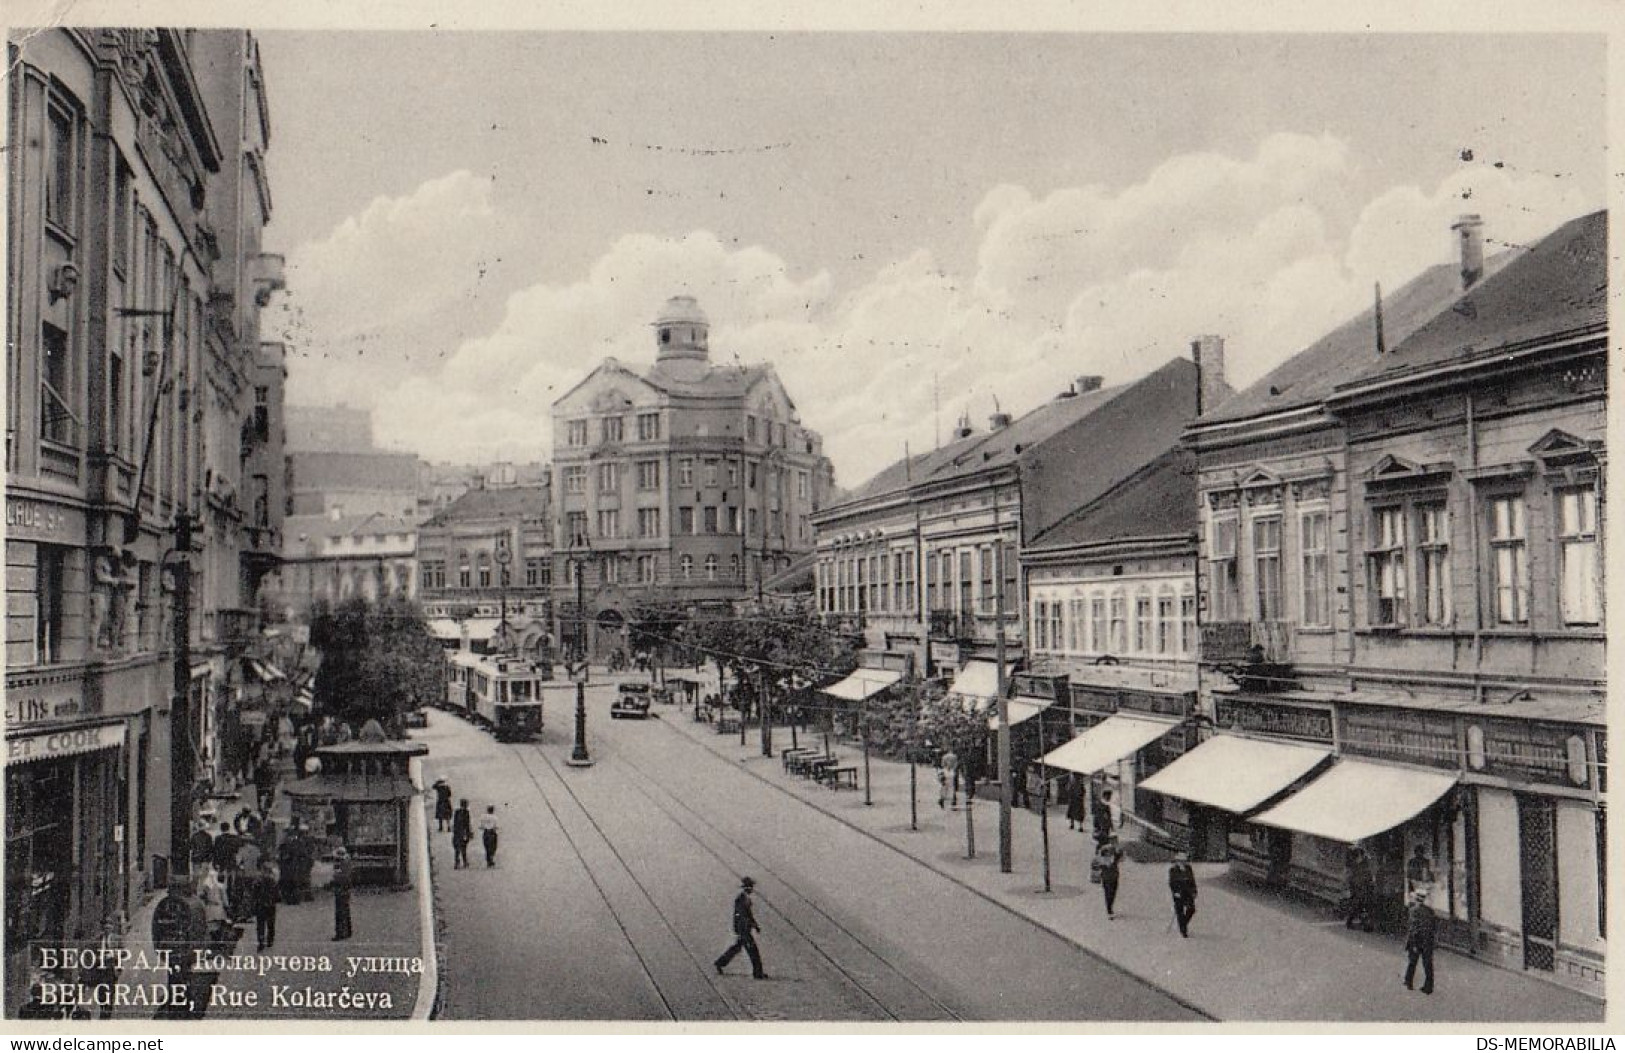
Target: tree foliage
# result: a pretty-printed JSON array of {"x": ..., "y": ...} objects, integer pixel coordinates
[
  {"x": 379, "y": 660},
  {"x": 791, "y": 649}
]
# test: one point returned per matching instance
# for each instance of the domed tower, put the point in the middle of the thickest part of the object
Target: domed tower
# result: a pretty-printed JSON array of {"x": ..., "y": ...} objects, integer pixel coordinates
[{"x": 682, "y": 333}]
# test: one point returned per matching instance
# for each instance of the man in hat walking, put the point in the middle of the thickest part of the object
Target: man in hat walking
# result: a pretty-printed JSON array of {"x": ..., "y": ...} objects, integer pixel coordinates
[
  {"x": 1182, "y": 884},
  {"x": 744, "y": 928},
  {"x": 341, "y": 894},
  {"x": 1421, "y": 936}
]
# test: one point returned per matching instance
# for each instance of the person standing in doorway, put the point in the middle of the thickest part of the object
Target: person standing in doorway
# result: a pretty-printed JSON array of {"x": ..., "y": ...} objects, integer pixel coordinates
[
  {"x": 1362, "y": 890},
  {"x": 1419, "y": 872},
  {"x": 488, "y": 834},
  {"x": 1421, "y": 936},
  {"x": 745, "y": 928},
  {"x": 462, "y": 832},
  {"x": 1182, "y": 884},
  {"x": 1074, "y": 802},
  {"x": 342, "y": 877},
  {"x": 1106, "y": 867}
]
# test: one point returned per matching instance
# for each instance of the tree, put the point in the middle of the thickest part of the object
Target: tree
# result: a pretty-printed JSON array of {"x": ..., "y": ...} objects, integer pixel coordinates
[{"x": 379, "y": 660}]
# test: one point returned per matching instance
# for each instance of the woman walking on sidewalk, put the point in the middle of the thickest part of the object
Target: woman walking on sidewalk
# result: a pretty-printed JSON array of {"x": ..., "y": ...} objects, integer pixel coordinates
[
  {"x": 488, "y": 834},
  {"x": 442, "y": 804}
]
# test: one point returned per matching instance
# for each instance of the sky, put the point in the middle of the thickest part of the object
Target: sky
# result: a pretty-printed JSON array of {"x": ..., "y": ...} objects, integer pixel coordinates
[{"x": 908, "y": 226}]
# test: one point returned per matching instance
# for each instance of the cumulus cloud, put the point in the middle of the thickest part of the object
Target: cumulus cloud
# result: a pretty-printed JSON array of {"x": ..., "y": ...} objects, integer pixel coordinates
[{"x": 1270, "y": 250}]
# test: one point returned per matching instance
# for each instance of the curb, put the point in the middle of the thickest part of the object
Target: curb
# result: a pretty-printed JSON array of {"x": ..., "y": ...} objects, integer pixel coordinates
[
  {"x": 1172, "y": 996},
  {"x": 428, "y": 998}
]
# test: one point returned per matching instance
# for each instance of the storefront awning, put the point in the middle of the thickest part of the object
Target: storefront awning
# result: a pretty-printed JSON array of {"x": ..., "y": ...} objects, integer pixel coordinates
[
  {"x": 862, "y": 683},
  {"x": 63, "y": 742},
  {"x": 275, "y": 673},
  {"x": 305, "y": 698},
  {"x": 978, "y": 683},
  {"x": 1234, "y": 773},
  {"x": 1107, "y": 743},
  {"x": 1021, "y": 711},
  {"x": 444, "y": 629},
  {"x": 1358, "y": 799}
]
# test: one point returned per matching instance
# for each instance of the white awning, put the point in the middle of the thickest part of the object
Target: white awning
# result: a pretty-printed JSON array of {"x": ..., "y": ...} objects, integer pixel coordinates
[
  {"x": 1234, "y": 773},
  {"x": 1357, "y": 799},
  {"x": 270, "y": 667},
  {"x": 482, "y": 628},
  {"x": 1107, "y": 743},
  {"x": 978, "y": 682},
  {"x": 862, "y": 683},
  {"x": 1021, "y": 710},
  {"x": 444, "y": 629},
  {"x": 305, "y": 698}
]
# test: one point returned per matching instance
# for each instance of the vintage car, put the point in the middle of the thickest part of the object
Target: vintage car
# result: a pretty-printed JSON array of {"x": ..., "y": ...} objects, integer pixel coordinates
[{"x": 631, "y": 702}]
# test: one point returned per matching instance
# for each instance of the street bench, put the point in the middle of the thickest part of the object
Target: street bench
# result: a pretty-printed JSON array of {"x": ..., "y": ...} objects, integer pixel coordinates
[
  {"x": 790, "y": 753},
  {"x": 820, "y": 767},
  {"x": 727, "y": 725},
  {"x": 805, "y": 764},
  {"x": 839, "y": 778}
]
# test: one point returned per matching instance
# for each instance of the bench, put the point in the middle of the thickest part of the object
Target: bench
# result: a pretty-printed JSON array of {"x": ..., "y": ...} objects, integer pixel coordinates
[
  {"x": 790, "y": 753},
  {"x": 727, "y": 725},
  {"x": 820, "y": 767},
  {"x": 839, "y": 777},
  {"x": 804, "y": 764}
]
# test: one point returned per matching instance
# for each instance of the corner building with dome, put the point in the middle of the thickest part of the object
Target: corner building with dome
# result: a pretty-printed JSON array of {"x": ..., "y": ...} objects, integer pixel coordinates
[{"x": 688, "y": 484}]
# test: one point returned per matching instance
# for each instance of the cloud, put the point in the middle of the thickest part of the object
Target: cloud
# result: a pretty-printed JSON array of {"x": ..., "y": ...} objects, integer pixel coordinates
[{"x": 1270, "y": 249}]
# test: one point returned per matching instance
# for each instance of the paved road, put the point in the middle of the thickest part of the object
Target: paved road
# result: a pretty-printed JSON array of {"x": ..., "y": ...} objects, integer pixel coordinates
[{"x": 614, "y": 885}]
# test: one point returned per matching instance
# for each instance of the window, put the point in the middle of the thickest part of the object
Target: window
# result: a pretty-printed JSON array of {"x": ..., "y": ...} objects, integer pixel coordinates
[
  {"x": 575, "y": 479},
  {"x": 876, "y": 592},
  {"x": 1097, "y": 623},
  {"x": 121, "y": 215},
  {"x": 733, "y": 567},
  {"x": 773, "y": 523},
  {"x": 57, "y": 420},
  {"x": 648, "y": 522},
  {"x": 431, "y": 576},
  {"x": 1167, "y": 627},
  {"x": 575, "y": 525},
  {"x": 612, "y": 429},
  {"x": 686, "y": 567},
  {"x": 1267, "y": 567},
  {"x": 1119, "y": 625},
  {"x": 685, "y": 471},
  {"x": 648, "y": 427},
  {"x": 1057, "y": 625},
  {"x": 710, "y": 471},
  {"x": 612, "y": 570},
  {"x": 609, "y": 478},
  {"x": 648, "y": 475},
  {"x": 485, "y": 571},
  {"x": 986, "y": 597},
  {"x": 646, "y": 570},
  {"x": 803, "y": 485},
  {"x": 50, "y": 577},
  {"x": 931, "y": 581},
  {"x": 1385, "y": 563},
  {"x": 898, "y": 560},
  {"x": 733, "y": 520},
  {"x": 115, "y": 400},
  {"x": 685, "y": 520},
  {"x": 710, "y": 568},
  {"x": 465, "y": 575},
  {"x": 1226, "y": 583},
  {"x": 750, "y": 428},
  {"x": 710, "y": 519},
  {"x": 1433, "y": 564},
  {"x": 1187, "y": 620},
  {"x": 1578, "y": 580},
  {"x": 750, "y": 475},
  {"x": 1040, "y": 625},
  {"x": 609, "y": 523},
  {"x": 1077, "y": 625},
  {"x": 753, "y": 522},
  {"x": 578, "y": 433},
  {"x": 1313, "y": 543},
  {"x": 533, "y": 572},
  {"x": 62, "y": 169},
  {"x": 1012, "y": 570},
  {"x": 1142, "y": 620},
  {"x": 965, "y": 583},
  {"x": 733, "y": 473},
  {"x": 778, "y": 431},
  {"x": 1509, "y": 565}
]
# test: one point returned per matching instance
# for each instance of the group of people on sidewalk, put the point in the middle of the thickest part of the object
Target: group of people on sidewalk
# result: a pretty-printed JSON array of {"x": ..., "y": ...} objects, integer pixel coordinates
[{"x": 461, "y": 823}]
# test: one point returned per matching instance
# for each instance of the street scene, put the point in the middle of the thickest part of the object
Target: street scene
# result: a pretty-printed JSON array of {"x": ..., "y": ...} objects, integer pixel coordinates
[{"x": 857, "y": 528}]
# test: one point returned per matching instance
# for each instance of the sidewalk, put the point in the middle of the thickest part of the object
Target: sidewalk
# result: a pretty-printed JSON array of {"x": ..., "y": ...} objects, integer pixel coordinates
[
  {"x": 387, "y": 924},
  {"x": 1250, "y": 956}
]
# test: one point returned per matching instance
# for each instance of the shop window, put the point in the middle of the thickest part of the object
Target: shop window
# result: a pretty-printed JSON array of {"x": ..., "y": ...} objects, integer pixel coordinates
[
  {"x": 1314, "y": 546},
  {"x": 1579, "y": 583},
  {"x": 1267, "y": 567},
  {"x": 50, "y": 577},
  {"x": 1385, "y": 567},
  {"x": 1509, "y": 560}
]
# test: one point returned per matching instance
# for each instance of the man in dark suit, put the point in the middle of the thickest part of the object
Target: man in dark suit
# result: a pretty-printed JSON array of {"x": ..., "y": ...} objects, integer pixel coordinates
[
  {"x": 744, "y": 926},
  {"x": 1182, "y": 883},
  {"x": 1421, "y": 936}
]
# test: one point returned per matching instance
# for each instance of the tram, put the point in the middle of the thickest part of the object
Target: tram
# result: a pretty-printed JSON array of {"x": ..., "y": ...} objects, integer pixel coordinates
[{"x": 502, "y": 693}]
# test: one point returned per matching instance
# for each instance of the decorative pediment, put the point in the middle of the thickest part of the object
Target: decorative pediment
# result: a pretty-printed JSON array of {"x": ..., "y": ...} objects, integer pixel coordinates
[
  {"x": 1259, "y": 477},
  {"x": 611, "y": 399},
  {"x": 1558, "y": 447},
  {"x": 1393, "y": 469}
]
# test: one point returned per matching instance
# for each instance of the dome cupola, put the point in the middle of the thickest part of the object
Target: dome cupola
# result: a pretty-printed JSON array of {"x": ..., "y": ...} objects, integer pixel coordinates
[{"x": 682, "y": 330}]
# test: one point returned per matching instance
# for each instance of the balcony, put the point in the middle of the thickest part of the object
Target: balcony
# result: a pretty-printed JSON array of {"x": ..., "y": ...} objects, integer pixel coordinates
[
  {"x": 1233, "y": 643},
  {"x": 267, "y": 272},
  {"x": 231, "y": 627},
  {"x": 952, "y": 625}
]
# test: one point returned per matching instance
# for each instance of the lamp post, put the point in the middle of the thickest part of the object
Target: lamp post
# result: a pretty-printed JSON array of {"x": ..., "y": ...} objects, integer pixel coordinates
[
  {"x": 579, "y": 758},
  {"x": 182, "y": 757}
]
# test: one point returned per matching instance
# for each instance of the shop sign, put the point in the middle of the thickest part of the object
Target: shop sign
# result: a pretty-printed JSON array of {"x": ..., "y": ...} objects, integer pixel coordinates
[
  {"x": 1094, "y": 699},
  {"x": 1314, "y": 725},
  {"x": 1159, "y": 702},
  {"x": 1538, "y": 752},
  {"x": 37, "y": 521},
  {"x": 1402, "y": 735},
  {"x": 1034, "y": 685},
  {"x": 944, "y": 654},
  {"x": 34, "y": 705},
  {"x": 65, "y": 743}
]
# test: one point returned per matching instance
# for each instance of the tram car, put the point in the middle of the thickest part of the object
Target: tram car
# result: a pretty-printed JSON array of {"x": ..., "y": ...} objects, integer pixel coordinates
[{"x": 502, "y": 693}]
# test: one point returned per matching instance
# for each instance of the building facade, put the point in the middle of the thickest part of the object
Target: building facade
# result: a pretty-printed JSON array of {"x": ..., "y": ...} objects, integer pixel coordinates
[
  {"x": 1400, "y": 578},
  {"x": 329, "y": 558},
  {"x": 485, "y": 570},
  {"x": 136, "y": 199},
  {"x": 686, "y": 485}
]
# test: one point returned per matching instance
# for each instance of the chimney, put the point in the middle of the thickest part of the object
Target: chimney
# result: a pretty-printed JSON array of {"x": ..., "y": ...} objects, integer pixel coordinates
[
  {"x": 963, "y": 430},
  {"x": 1469, "y": 229},
  {"x": 1086, "y": 384},
  {"x": 1208, "y": 353},
  {"x": 998, "y": 422}
]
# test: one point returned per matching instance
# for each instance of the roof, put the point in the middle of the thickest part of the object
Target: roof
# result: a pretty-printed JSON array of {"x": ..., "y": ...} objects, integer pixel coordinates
[
  {"x": 325, "y": 470},
  {"x": 1157, "y": 501},
  {"x": 715, "y": 382},
  {"x": 503, "y": 502},
  {"x": 797, "y": 577},
  {"x": 297, "y": 528},
  {"x": 1557, "y": 286},
  {"x": 1344, "y": 353}
]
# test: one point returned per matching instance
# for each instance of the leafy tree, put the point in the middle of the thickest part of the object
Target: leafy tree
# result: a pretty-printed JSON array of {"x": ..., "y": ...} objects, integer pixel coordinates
[{"x": 379, "y": 660}]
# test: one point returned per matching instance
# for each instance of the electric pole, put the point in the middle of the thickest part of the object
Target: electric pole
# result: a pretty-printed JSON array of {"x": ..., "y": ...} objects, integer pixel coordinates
[{"x": 182, "y": 757}]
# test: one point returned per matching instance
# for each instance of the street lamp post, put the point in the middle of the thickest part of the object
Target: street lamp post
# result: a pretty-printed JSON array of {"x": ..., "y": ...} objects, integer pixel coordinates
[
  {"x": 1043, "y": 798},
  {"x": 579, "y": 758}
]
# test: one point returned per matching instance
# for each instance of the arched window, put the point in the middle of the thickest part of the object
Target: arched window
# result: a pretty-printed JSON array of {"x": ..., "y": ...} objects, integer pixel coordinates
[
  {"x": 463, "y": 579},
  {"x": 1075, "y": 623},
  {"x": 1187, "y": 620},
  {"x": 1142, "y": 620},
  {"x": 1097, "y": 622},
  {"x": 1167, "y": 623},
  {"x": 710, "y": 568},
  {"x": 1118, "y": 641},
  {"x": 687, "y": 565}
]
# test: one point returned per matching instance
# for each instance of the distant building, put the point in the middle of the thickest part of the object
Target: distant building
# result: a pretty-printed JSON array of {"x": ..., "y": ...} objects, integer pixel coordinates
[
  {"x": 335, "y": 557},
  {"x": 441, "y": 484},
  {"x": 485, "y": 570},
  {"x": 352, "y": 484},
  {"x": 329, "y": 429},
  {"x": 689, "y": 484}
]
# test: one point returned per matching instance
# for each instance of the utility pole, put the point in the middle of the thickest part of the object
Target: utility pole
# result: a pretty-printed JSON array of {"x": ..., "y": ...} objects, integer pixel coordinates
[
  {"x": 182, "y": 759},
  {"x": 579, "y": 758},
  {"x": 1003, "y": 703}
]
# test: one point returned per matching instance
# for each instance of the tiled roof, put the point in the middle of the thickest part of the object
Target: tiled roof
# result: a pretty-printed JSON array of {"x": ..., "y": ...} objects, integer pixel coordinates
[
  {"x": 495, "y": 503},
  {"x": 1342, "y": 354},
  {"x": 1157, "y": 501},
  {"x": 1557, "y": 286}
]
